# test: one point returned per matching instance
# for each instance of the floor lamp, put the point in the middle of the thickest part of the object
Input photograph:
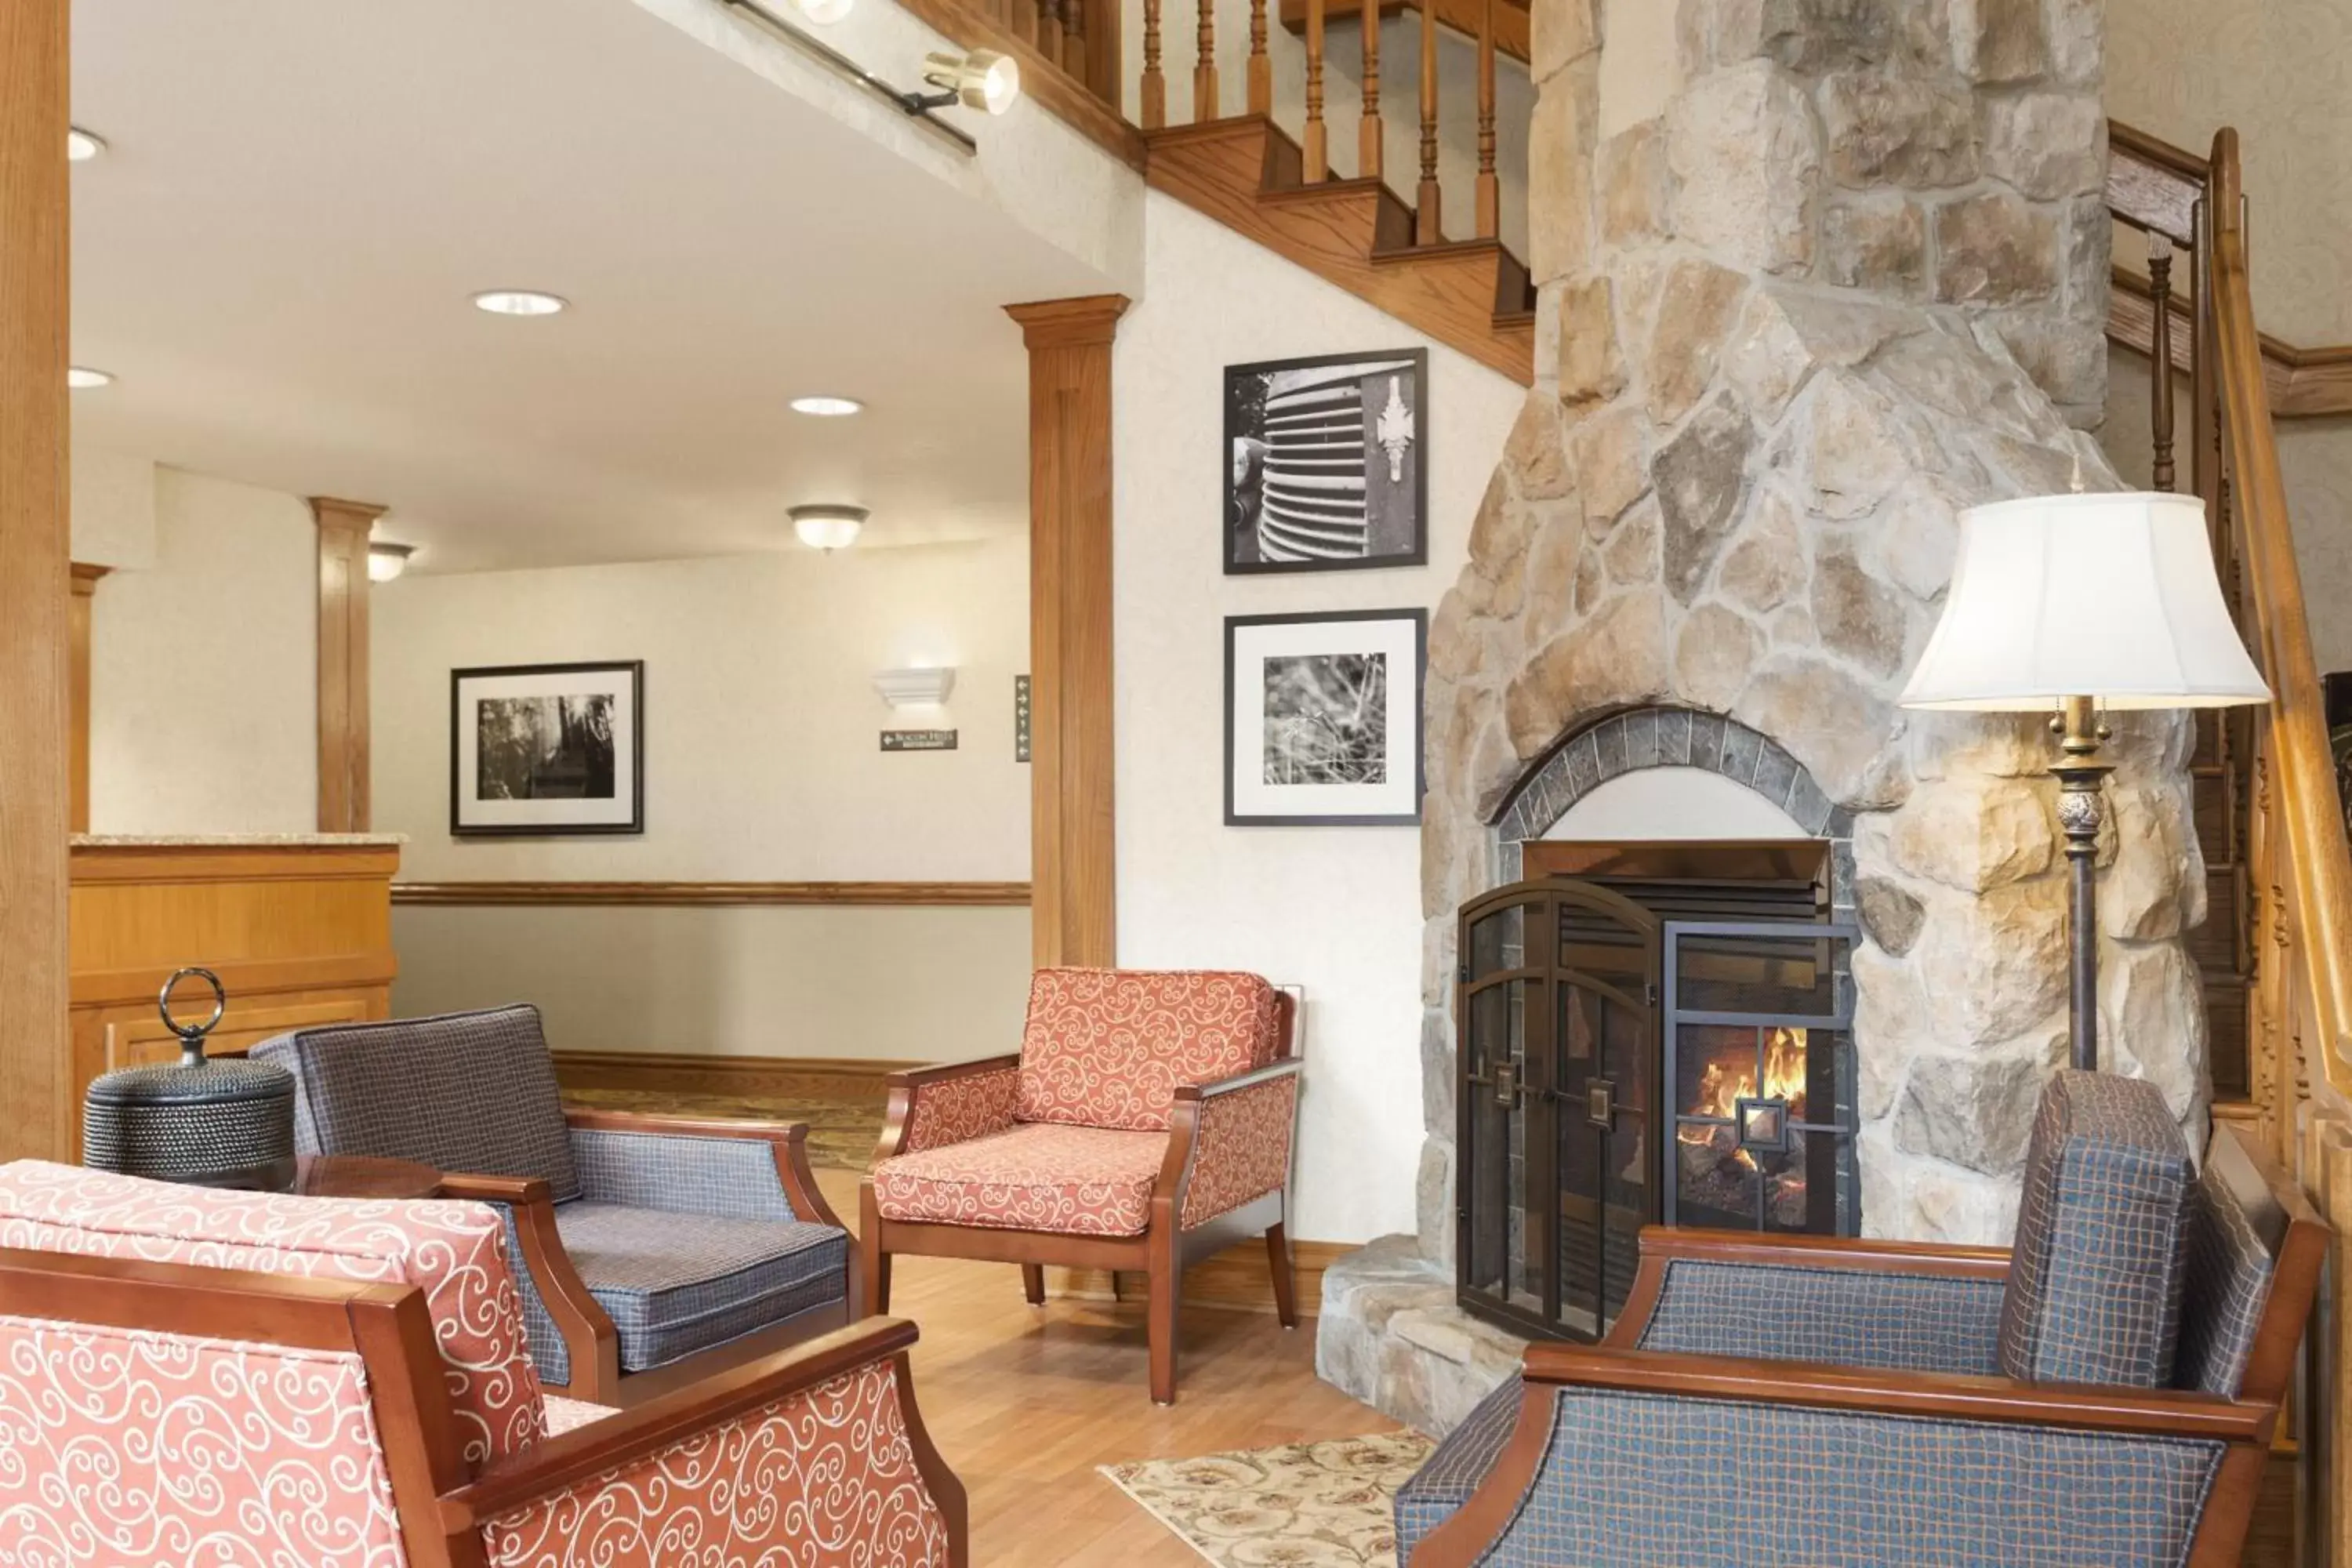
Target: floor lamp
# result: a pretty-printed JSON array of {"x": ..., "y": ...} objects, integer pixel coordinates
[{"x": 2078, "y": 604}]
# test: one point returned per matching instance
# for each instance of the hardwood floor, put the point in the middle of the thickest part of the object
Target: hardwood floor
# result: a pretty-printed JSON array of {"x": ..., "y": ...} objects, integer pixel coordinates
[{"x": 1027, "y": 1401}]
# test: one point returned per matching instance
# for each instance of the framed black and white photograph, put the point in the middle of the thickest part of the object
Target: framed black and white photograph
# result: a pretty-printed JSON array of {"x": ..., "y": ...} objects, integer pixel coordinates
[
  {"x": 1323, "y": 718},
  {"x": 1324, "y": 463},
  {"x": 547, "y": 749}
]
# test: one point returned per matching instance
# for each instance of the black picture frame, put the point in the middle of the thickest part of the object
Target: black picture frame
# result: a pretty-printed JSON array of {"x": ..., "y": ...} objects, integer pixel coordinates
[
  {"x": 627, "y": 687},
  {"x": 1394, "y": 510},
  {"x": 1405, "y": 707}
]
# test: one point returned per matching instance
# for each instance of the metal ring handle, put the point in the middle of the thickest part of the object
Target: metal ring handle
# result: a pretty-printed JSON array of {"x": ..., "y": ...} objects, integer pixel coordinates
[{"x": 191, "y": 1033}]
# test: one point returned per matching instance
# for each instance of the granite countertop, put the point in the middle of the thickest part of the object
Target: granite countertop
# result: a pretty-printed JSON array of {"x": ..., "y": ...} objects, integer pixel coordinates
[{"x": 234, "y": 840}]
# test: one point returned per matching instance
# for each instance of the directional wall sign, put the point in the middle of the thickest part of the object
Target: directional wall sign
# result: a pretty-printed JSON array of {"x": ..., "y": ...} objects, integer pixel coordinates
[
  {"x": 918, "y": 739},
  {"x": 1020, "y": 718}
]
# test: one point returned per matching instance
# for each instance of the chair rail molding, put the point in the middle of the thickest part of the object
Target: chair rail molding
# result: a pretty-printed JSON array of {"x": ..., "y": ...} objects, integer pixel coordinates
[
  {"x": 35, "y": 1088},
  {"x": 716, "y": 895},
  {"x": 1072, "y": 846},
  {"x": 344, "y": 805}
]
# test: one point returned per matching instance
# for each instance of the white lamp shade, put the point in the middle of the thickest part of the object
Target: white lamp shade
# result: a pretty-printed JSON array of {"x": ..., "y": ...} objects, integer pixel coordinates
[{"x": 2106, "y": 597}]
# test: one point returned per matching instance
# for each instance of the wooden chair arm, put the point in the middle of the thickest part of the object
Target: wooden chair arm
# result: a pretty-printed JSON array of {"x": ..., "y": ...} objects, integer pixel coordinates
[
  {"x": 1859, "y": 1254},
  {"x": 590, "y": 1339},
  {"x": 1289, "y": 1067},
  {"x": 558, "y": 1463},
  {"x": 1945, "y": 1396},
  {"x": 789, "y": 1141},
  {"x": 898, "y": 1119}
]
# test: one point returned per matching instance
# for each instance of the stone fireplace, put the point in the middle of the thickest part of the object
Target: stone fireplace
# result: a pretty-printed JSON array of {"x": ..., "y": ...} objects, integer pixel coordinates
[{"x": 1850, "y": 276}]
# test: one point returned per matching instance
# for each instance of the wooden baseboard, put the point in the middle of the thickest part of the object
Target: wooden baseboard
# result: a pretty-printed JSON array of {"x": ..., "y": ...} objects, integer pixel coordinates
[
  {"x": 1234, "y": 1278},
  {"x": 665, "y": 1072}
]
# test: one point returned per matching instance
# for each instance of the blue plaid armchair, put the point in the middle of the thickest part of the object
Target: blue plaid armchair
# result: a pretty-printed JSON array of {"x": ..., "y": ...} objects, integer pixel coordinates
[
  {"x": 650, "y": 1251},
  {"x": 2104, "y": 1391}
]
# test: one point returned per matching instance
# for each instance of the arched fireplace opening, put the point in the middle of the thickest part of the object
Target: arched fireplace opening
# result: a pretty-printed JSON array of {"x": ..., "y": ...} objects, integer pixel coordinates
[{"x": 1654, "y": 1016}]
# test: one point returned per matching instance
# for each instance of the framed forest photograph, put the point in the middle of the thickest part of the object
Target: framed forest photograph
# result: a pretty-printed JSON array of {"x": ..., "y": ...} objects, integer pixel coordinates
[
  {"x": 547, "y": 749},
  {"x": 1325, "y": 466},
  {"x": 1323, "y": 718}
]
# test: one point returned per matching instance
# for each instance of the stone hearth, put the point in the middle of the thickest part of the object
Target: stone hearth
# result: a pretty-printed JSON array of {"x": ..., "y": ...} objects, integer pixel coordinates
[{"x": 1851, "y": 278}]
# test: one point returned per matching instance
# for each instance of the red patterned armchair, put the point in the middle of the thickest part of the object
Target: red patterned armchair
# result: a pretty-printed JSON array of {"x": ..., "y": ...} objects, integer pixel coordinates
[
  {"x": 1145, "y": 1124},
  {"x": 194, "y": 1375}
]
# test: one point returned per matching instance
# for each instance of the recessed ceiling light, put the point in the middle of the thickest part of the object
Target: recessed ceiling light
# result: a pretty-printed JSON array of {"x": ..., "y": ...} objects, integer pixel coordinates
[
  {"x": 519, "y": 303},
  {"x": 827, "y": 407},
  {"x": 827, "y": 528},
  {"x": 82, "y": 146},
  {"x": 81, "y": 378}
]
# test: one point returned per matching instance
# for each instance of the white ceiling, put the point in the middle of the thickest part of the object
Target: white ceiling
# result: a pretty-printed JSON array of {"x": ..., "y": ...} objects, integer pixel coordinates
[{"x": 275, "y": 257}]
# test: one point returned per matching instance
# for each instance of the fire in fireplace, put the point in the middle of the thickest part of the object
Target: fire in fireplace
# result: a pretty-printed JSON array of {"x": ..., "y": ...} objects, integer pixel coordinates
[{"x": 1647, "y": 1034}]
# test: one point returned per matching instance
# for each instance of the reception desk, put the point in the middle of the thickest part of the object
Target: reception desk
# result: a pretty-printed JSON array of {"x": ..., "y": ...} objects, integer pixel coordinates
[{"x": 299, "y": 928}]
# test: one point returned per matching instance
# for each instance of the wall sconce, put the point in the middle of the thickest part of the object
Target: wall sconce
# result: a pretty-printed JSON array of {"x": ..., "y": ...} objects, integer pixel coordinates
[
  {"x": 387, "y": 560},
  {"x": 915, "y": 688},
  {"x": 981, "y": 79},
  {"x": 828, "y": 528}
]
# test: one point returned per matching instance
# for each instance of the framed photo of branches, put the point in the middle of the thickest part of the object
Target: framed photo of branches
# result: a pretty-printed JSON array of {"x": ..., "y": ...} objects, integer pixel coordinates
[{"x": 1323, "y": 718}]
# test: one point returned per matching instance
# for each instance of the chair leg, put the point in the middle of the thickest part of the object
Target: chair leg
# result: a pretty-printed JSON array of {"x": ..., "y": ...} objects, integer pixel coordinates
[
  {"x": 874, "y": 1262},
  {"x": 1166, "y": 1279},
  {"x": 1033, "y": 1283},
  {"x": 1286, "y": 1283}
]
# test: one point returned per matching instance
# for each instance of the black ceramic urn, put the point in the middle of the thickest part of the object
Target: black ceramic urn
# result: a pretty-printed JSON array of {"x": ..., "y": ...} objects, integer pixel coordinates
[{"x": 211, "y": 1123}]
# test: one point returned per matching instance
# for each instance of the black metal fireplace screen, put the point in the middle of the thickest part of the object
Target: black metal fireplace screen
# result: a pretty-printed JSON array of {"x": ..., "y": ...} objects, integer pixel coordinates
[{"x": 1617, "y": 1068}]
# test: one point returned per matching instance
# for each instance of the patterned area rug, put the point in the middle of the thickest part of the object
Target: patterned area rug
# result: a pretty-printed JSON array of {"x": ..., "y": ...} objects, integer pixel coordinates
[
  {"x": 1303, "y": 1505},
  {"x": 844, "y": 1122}
]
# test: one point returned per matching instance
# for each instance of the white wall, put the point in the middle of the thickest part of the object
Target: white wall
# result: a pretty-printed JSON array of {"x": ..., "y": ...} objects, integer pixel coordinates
[
  {"x": 1336, "y": 910},
  {"x": 762, "y": 763},
  {"x": 204, "y": 654}
]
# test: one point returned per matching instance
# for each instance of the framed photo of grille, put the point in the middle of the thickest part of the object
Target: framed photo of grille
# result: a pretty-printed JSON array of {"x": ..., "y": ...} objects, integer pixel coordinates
[
  {"x": 1325, "y": 463},
  {"x": 1323, "y": 719},
  {"x": 547, "y": 749}
]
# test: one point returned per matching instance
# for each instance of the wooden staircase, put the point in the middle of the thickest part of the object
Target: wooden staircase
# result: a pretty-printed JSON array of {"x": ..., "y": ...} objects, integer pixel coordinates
[{"x": 1246, "y": 173}]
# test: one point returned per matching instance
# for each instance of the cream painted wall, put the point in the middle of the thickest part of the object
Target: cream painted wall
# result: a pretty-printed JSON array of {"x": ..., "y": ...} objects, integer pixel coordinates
[
  {"x": 204, "y": 655},
  {"x": 113, "y": 508},
  {"x": 2280, "y": 71},
  {"x": 891, "y": 984},
  {"x": 1336, "y": 910},
  {"x": 762, "y": 763}
]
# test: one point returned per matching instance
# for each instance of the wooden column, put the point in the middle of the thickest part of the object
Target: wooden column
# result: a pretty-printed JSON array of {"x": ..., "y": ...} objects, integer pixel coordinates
[
  {"x": 34, "y": 1069},
  {"x": 78, "y": 614},
  {"x": 344, "y": 798},
  {"x": 1071, "y": 847}
]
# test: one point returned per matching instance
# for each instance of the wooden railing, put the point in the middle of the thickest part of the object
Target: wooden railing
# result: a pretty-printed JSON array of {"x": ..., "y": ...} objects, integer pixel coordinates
[{"x": 2295, "y": 911}]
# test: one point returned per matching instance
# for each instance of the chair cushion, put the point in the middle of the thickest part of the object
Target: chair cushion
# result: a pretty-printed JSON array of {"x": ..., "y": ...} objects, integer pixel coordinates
[
  {"x": 1039, "y": 1176},
  {"x": 466, "y": 1092},
  {"x": 677, "y": 1283},
  {"x": 2229, "y": 1278},
  {"x": 1106, "y": 1048},
  {"x": 2095, "y": 1282},
  {"x": 1435, "y": 1492},
  {"x": 451, "y": 1251}
]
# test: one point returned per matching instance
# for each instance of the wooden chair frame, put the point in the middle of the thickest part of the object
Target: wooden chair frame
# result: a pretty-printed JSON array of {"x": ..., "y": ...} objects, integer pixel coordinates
[
  {"x": 589, "y": 1336},
  {"x": 2246, "y": 1422},
  {"x": 441, "y": 1511},
  {"x": 1161, "y": 1253}
]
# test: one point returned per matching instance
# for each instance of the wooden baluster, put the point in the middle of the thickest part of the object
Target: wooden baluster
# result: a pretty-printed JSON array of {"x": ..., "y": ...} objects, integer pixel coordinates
[
  {"x": 1024, "y": 20},
  {"x": 1316, "y": 144},
  {"x": 1368, "y": 131},
  {"x": 1427, "y": 229},
  {"x": 1261, "y": 65},
  {"x": 1074, "y": 38},
  {"x": 1489, "y": 190},
  {"x": 1049, "y": 30},
  {"x": 1204, "y": 67},
  {"x": 1155, "y": 86},
  {"x": 2159, "y": 402}
]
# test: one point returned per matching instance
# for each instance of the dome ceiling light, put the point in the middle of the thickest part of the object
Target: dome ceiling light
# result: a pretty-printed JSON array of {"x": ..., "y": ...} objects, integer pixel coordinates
[
  {"x": 82, "y": 146},
  {"x": 521, "y": 302},
  {"x": 823, "y": 408},
  {"x": 828, "y": 527},
  {"x": 83, "y": 378}
]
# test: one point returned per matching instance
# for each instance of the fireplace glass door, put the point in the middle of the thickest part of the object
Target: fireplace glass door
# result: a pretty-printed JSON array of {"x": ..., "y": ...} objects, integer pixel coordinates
[
  {"x": 1760, "y": 1074},
  {"x": 1558, "y": 1119}
]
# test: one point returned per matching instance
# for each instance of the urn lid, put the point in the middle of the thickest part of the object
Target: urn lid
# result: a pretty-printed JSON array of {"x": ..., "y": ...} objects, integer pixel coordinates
[{"x": 193, "y": 1079}]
